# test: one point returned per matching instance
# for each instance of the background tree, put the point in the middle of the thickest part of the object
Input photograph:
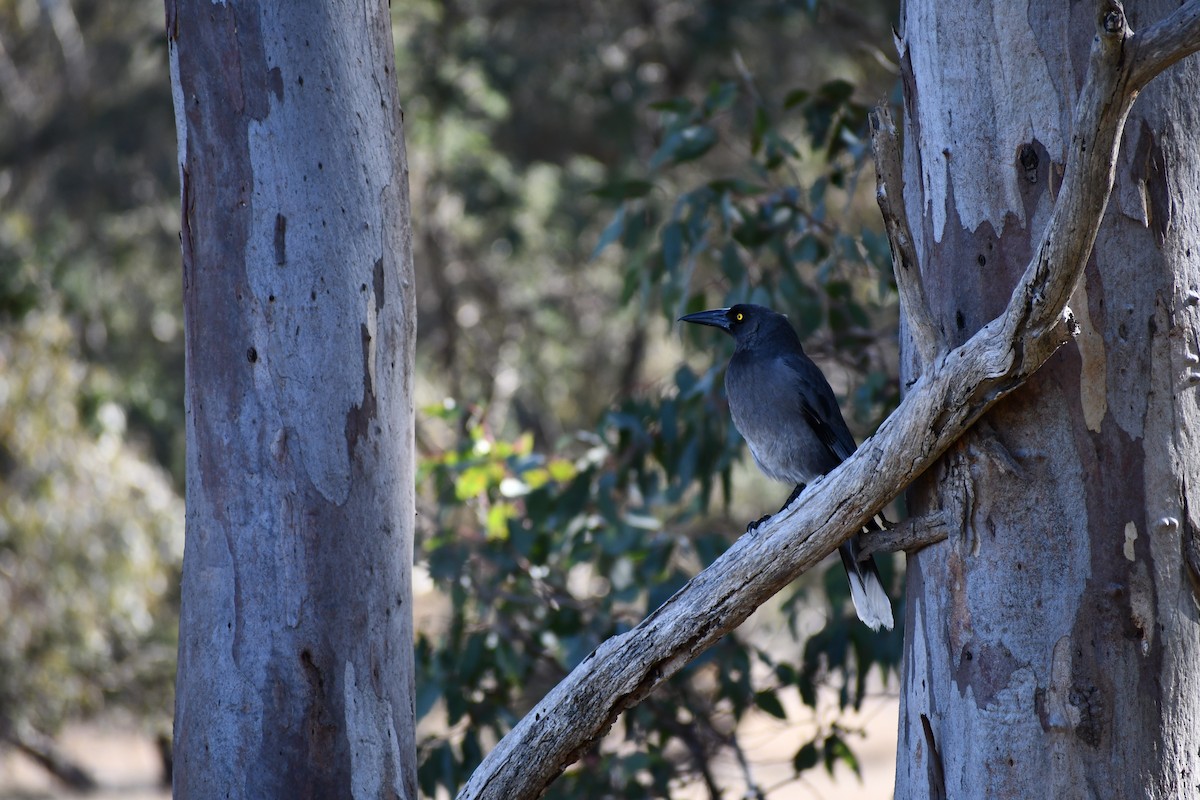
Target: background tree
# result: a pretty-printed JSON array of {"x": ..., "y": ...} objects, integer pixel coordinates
[
  {"x": 90, "y": 372},
  {"x": 295, "y": 663},
  {"x": 89, "y": 532},
  {"x": 1052, "y": 639}
]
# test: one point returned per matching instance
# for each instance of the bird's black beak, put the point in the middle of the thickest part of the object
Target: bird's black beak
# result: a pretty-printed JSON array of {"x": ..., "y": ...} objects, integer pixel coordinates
[{"x": 717, "y": 318}]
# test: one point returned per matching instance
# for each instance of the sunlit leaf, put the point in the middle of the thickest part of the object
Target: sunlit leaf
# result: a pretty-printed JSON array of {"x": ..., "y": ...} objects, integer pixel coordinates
[
  {"x": 471, "y": 483},
  {"x": 497, "y": 521},
  {"x": 561, "y": 470}
]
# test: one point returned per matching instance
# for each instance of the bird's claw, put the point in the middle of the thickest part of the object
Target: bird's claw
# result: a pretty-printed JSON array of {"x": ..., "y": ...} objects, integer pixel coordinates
[{"x": 753, "y": 526}]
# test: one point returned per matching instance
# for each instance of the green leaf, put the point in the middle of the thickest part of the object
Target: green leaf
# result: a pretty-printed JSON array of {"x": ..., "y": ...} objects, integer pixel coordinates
[
  {"x": 737, "y": 186},
  {"x": 561, "y": 470},
  {"x": 471, "y": 483},
  {"x": 497, "y": 521},
  {"x": 721, "y": 97},
  {"x": 675, "y": 105},
  {"x": 683, "y": 145},
  {"x": 672, "y": 245},
  {"x": 836, "y": 92},
  {"x": 769, "y": 702},
  {"x": 611, "y": 233},
  {"x": 795, "y": 97},
  {"x": 837, "y": 750},
  {"x": 762, "y": 124},
  {"x": 626, "y": 189},
  {"x": 805, "y": 758}
]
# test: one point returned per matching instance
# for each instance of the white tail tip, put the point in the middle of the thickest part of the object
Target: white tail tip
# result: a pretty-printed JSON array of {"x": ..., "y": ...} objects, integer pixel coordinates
[{"x": 870, "y": 600}]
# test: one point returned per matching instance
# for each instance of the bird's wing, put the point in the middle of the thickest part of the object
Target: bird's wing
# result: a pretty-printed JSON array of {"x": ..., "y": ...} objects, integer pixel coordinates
[{"x": 820, "y": 407}]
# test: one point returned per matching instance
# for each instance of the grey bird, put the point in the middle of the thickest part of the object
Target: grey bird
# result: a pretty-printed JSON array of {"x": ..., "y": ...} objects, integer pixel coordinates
[{"x": 784, "y": 409}]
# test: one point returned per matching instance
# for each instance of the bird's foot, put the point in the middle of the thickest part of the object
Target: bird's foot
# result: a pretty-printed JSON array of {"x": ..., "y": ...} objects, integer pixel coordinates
[
  {"x": 795, "y": 493},
  {"x": 753, "y": 526}
]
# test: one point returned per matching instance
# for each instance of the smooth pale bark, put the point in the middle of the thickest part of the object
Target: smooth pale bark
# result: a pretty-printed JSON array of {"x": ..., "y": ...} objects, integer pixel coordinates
[
  {"x": 295, "y": 659},
  {"x": 1052, "y": 641}
]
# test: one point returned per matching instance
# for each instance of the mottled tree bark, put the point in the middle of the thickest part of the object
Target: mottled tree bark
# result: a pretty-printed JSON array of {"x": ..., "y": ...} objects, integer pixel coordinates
[
  {"x": 295, "y": 659},
  {"x": 1052, "y": 642}
]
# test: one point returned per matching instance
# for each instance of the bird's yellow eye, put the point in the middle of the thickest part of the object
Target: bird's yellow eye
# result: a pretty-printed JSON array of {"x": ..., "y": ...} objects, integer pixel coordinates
[{"x": 739, "y": 316}]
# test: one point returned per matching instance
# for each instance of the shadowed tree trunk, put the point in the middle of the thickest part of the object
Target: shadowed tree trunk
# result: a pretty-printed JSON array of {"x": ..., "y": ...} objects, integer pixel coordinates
[
  {"x": 295, "y": 660},
  {"x": 1052, "y": 642}
]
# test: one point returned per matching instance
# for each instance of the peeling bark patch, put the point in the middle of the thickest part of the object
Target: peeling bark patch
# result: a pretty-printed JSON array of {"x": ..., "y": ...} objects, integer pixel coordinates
[
  {"x": 1093, "y": 371},
  {"x": 280, "y": 240},
  {"x": 1131, "y": 536},
  {"x": 358, "y": 420},
  {"x": 377, "y": 281},
  {"x": 987, "y": 671},
  {"x": 315, "y": 678},
  {"x": 319, "y": 729},
  {"x": 275, "y": 77},
  {"x": 1028, "y": 158},
  {"x": 1056, "y": 708},
  {"x": 1150, "y": 177},
  {"x": 936, "y": 772},
  {"x": 1088, "y": 701}
]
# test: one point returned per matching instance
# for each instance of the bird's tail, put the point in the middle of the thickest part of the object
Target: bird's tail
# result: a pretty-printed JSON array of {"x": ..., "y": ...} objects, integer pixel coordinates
[{"x": 866, "y": 588}]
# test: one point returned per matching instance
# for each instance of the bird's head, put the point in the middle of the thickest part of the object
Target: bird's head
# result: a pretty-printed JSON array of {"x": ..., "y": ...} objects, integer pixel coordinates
[{"x": 744, "y": 322}]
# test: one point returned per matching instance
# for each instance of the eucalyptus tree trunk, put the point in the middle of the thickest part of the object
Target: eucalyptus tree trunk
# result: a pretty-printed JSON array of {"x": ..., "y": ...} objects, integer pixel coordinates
[
  {"x": 295, "y": 658},
  {"x": 1052, "y": 643}
]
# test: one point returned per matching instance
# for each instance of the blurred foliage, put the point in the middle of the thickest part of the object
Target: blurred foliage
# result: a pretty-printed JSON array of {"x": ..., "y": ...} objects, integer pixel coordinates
[
  {"x": 581, "y": 175},
  {"x": 91, "y": 359},
  {"x": 547, "y": 545},
  {"x": 90, "y": 533},
  {"x": 516, "y": 113},
  {"x": 89, "y": 198},
  {"x": 543, "y": 558}
]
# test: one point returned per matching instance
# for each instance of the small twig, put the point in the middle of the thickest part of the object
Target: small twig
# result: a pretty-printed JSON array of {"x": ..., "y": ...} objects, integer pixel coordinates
[
  {"x": 889, "y": 184},
  {"x": 909, "y": 535}
]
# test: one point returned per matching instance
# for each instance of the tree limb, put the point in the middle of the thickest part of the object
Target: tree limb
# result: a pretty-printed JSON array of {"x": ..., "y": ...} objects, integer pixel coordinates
[
  {"x": 955, "y": 389},
  {"x": 1164, "y": 43},
  {"x": 889, "y": 184},
  {"x": 911, "y": 534},
  {"x": 46, "y": 752}
]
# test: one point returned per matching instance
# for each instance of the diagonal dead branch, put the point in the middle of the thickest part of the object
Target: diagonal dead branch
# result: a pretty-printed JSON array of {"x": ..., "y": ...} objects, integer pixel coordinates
[
  {"x": 889, "y": 187},
  {"x": 956, "y": 388}
]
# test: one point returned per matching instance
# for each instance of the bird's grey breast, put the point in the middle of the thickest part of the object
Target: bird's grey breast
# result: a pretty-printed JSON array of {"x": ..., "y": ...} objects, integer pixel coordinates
[{"x": 766, "y": 403}]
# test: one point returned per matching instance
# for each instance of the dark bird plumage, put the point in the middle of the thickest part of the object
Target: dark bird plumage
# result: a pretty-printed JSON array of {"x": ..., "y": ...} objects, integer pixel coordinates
[{"x": 784, "y": 409}]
